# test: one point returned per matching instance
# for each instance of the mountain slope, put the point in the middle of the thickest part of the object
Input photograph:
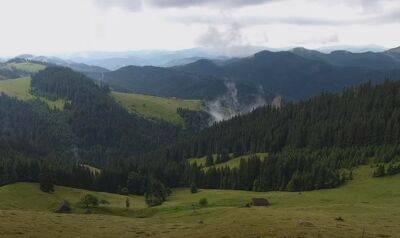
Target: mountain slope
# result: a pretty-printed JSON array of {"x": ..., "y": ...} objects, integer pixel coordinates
[
  {"x": 363, "y": 116},
  {"x": 371, "y": 60},
  {"x": 98, "y": 121},
  {"x": 295, "y": 77},
  {"x": 164, "y": 82},
  {"x": 262, "y": 76},
  {"x": 156, "y": 107}
]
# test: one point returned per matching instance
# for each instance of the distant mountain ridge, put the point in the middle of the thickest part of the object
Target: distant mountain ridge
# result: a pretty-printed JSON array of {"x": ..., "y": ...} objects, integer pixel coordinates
[
  {"x": 373, "y": 60},
  {"x": 242, "y": 84},
  {"x": 89, "y": 70}
]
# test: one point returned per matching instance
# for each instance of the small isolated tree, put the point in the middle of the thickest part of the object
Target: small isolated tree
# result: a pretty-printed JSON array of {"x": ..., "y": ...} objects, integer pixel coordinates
[
  {"x": 46, "y": 181},
  {"x": 203, "y": 202},
  {"x": 193, "y": 188},
  {"x": 90, "y": 200},
  {"x": 127, "y": 203},
  {"x": 156, "y": 192}
]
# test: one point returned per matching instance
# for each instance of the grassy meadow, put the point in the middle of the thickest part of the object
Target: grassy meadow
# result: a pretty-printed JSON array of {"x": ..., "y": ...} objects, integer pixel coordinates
[
  {"x": 369, "y": 207},
  {"x": 232, "y": 163},
  {"x": 28, "y": 67},
  {"x": 156, "y": 107},
  {"x": 20, "y": 88}
]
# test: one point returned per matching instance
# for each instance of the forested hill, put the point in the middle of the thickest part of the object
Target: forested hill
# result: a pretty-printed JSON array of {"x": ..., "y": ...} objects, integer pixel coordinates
[
  {"x": 164, "y": 82},
  {"x": 103, "y": 129},
  {"x": 367, "y": 115},
  {"x": 259, "y": 78}
]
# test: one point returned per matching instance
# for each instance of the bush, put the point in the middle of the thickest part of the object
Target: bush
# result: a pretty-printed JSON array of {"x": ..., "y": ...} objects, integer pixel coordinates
[
  {"x": 193, "y": 188},
  {"x": 152, "y": 200},
  {"x": 90, "y": 200},
  {"x": 203, "y": 202},
  {"x": 124, "y": 191},
  {"x": 379, "y": 171},
  {"x": 46, "y": 181},
  {"x": 156, "y": 193},
  {"x": 104, "y": 202}
]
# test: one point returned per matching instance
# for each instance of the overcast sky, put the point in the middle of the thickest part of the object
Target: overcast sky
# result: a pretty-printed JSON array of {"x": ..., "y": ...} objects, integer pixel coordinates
[{"x": 66, "y": 26}]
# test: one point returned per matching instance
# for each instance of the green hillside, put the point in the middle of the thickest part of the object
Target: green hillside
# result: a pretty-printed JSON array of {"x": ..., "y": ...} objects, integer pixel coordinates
[
  {"x": 28, "y": 67},
  {"x": 369, "y": 207},
  {"x": 20, "y": 88},
  {"x": 232, "y": 163},
  {"x": 156, "y": 107}
]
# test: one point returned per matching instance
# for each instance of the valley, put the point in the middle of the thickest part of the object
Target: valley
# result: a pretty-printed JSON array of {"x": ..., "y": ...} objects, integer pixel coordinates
[{"x": 285, "y": 143}]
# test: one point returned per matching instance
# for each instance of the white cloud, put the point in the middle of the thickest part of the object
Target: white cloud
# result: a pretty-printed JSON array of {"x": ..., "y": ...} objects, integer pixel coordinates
[{"x": 48, "y": 26}]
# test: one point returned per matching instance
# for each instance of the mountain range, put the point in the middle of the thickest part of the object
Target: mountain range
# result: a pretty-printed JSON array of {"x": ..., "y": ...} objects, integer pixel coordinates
[{"x": 236, "y": 85}]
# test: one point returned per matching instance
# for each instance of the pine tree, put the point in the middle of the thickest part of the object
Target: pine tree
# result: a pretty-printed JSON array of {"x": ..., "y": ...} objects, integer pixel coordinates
[
  {"x": 209, "y": 160},
  {"x": 46, "y": 181}
]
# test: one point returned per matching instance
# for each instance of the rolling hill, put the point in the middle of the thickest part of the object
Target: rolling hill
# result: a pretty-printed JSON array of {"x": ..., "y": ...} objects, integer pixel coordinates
[
  {"x": 163, "y": 82},
  {"x": 21, "y": 89},
  {"x": 372, "y": 60},
  {"x": 17, "y": 68},
  {"x": 244, "y": 83}
]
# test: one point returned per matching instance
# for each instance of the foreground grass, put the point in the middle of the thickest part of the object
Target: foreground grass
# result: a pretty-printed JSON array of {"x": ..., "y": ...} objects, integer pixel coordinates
[
  {"x": 20, "y": 88},
  {"x": 369, "y": 206},
  {"x": 156, "y": 107}
]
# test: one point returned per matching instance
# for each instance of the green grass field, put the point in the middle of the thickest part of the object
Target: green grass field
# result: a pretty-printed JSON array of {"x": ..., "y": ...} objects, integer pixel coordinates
[
  {"x": 370, "y": 207},
  {"x": 28, "y": 67},
  {"x": 19, "y": 88},
  {"x": 232, "y": 163},
  {"x": 156, "y": 107}
]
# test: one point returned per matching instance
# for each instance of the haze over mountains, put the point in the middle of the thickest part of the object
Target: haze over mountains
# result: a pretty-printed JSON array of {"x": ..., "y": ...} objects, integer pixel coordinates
[{"x": 231, "y": 86}]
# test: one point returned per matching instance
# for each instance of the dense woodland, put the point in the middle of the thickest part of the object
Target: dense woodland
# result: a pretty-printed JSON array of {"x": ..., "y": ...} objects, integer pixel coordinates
[
  {"x": 360, "y": 116},
  {"x": 104, "y": 130},
  {"x": 313, "y": 144}
]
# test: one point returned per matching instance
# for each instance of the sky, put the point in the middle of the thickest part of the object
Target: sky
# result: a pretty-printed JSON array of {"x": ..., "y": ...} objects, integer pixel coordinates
[{"x": 67, "y": 26}]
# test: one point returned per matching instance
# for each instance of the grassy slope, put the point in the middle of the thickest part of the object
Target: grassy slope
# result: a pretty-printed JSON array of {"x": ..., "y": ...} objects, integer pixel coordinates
[
  {"x": 233, "y": 163},
  {"x": 366, "y": 203},
  {"x": 19, "y": 88},
  {"x": 28, "y": 67},
  {"x": 156, "y": 107}
]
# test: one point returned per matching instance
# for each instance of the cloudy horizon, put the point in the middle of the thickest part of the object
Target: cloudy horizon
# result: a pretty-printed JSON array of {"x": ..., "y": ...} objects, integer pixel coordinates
[{"x": 69, "y": 26}]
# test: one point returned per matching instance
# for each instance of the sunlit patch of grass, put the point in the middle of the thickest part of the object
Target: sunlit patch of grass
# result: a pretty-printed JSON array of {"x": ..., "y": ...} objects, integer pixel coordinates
[
  {"x": 156, "y": 107},
  {"x": 20, "y": 88}
]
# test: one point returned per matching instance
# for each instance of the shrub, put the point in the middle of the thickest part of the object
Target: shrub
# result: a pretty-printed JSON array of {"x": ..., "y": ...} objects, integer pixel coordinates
[
  {"x": 193, "y": 188},
  {"x": 379, "y": 171},
  {"x": 104, "y": 202},
  {"x": 203, "y": 202},
  {"x": 152, "y": 200},
  {"x": 46, "y": 181},
  {"x": 124, "y": 191},
  {"x": 90, "y": 200}
]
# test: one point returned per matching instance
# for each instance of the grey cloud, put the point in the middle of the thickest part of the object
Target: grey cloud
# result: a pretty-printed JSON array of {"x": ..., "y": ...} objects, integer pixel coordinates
[
  {"x": 191, "y": 3},
  {"x": 131, "y": 5},
  {"x": 376, "y": 19},
  {"x": 254, "y": 21},
  {"x": 229, "y": 42},
  {"x": 134, "y": 5},
  {"x": 214, "y": 38},
  {"x": 323, "y": 40}
]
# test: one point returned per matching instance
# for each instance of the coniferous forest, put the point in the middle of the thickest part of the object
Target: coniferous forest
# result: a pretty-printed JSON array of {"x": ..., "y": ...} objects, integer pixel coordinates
[{"x": 312, "y": 144}]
